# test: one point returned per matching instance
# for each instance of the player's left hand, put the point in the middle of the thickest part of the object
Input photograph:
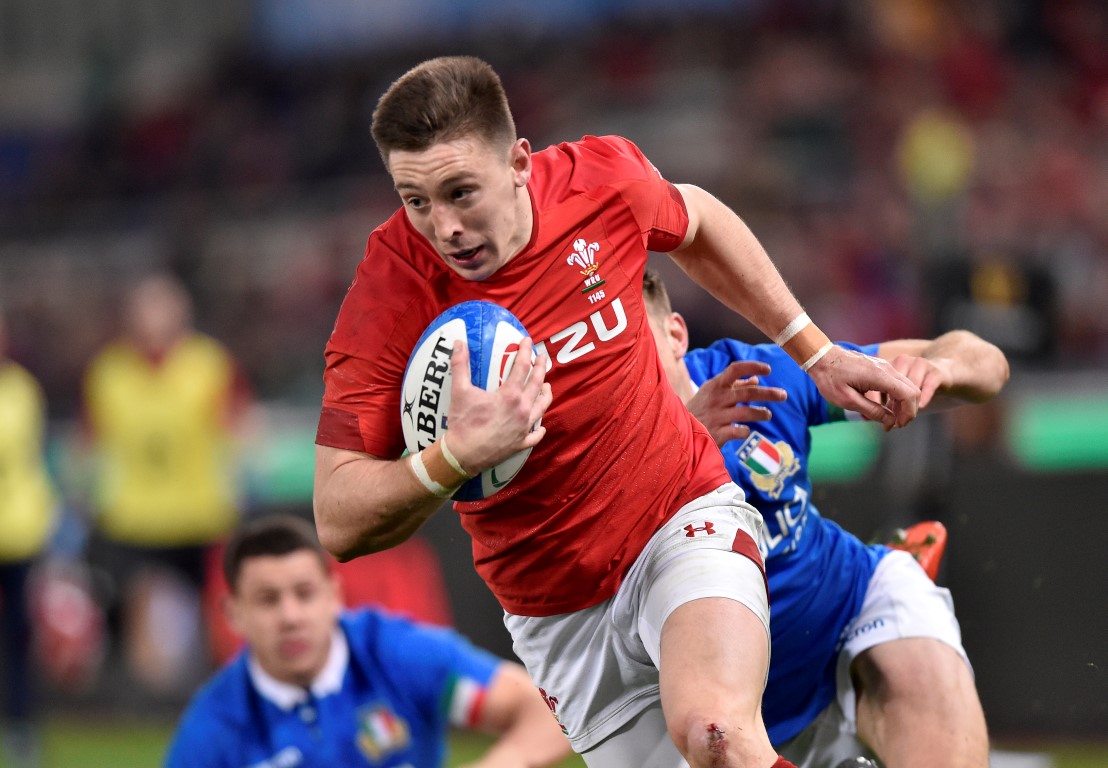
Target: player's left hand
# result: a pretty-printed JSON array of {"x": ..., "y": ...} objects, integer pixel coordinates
[
  {"x": 722, "y": 403},
  {"x": 486, "y": 427},
  {"x": 844, "y": 377}
]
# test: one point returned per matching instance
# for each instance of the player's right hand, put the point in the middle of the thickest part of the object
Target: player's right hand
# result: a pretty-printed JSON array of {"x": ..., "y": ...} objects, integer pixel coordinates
[
  {"x": 487, "y": 427},
  {"x": 722, "y": 403},
  {"x": 930, "y": 375},
  {"x": 844, "y": 377}
]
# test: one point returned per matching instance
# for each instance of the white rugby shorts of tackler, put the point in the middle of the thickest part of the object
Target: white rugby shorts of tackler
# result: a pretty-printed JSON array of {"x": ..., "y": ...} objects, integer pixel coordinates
[{"x": 901, "y": 601}]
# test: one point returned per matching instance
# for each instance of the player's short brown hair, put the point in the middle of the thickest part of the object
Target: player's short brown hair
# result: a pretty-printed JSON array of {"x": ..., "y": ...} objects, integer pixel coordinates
[
  {"x": 655, "y": 294},
  {"x": 440, "y": 100},
  {"x": 270, "y": 535}
]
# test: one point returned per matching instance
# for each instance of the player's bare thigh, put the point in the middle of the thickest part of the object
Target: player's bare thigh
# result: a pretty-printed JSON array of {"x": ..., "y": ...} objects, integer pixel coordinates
[{"x": 922, "y": 681}]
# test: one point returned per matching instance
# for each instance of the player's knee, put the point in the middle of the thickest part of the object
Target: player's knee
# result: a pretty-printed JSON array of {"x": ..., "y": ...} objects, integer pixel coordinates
[
  {"x": 708, "y": 740},
  {"x": 703, "y": 742}
]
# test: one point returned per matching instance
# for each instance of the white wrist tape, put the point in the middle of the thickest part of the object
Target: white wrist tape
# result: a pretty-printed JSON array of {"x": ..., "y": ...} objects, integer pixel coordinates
[
  {"x": 816, "y": 357},
  {"x": 792, "y": 329},
  {"x": 421, "y": 474},
  {"x": 452, "y": 460}
]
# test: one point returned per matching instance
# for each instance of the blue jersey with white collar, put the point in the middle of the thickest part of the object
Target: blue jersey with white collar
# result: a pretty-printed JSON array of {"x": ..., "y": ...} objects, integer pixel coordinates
[
  {"x": 404, "y": 686},
  {"x": 817, "y": 572}
]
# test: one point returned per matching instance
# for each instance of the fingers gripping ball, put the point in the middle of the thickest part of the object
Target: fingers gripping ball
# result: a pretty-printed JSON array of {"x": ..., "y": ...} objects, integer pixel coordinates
[{"x": 493, "y": 335}]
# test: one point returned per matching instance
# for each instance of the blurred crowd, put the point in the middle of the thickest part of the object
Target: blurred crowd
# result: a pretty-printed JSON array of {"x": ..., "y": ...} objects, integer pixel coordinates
[{"x": 910, "y": 165}]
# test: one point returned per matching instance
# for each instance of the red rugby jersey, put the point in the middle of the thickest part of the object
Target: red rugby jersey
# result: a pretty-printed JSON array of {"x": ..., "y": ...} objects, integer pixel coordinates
[{"x": 621, "y": 452}]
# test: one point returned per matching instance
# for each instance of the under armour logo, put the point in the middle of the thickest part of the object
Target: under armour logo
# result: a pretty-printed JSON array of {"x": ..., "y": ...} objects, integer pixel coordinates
[{"x": 692, "y": 530}]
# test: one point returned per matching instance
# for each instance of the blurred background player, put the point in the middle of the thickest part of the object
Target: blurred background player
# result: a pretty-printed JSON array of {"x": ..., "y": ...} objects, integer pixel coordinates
[
  {"x": 865, "y": 648},
  {"x": 406, "y": 580},
  {"x": 319, "y": 686},
  {"x": 27, "y": 520},
  {"x": 162, "y": 405}
]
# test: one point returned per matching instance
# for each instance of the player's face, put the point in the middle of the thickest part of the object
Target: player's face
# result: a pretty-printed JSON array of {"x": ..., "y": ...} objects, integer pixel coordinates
[
  {"x": 469, "y": 199},
  {"x": 286, "y": 606},
  {"x": 158, "y": 314}
]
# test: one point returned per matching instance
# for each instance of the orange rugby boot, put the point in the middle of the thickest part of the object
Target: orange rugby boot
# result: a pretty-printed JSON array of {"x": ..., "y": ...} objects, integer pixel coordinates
[{"x": 924, "y": 541}]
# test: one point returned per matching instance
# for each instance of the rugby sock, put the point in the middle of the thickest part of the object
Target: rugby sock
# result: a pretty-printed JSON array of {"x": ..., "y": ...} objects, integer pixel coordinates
[{"x": 782, "y": 763}]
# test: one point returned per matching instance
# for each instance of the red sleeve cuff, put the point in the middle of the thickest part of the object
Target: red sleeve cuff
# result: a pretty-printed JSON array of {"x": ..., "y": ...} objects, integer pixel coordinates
[{"x": 339, "y": 429}]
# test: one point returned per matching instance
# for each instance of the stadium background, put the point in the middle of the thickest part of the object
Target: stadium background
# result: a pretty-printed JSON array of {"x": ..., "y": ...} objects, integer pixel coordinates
[{"x": 911, "y": 165}]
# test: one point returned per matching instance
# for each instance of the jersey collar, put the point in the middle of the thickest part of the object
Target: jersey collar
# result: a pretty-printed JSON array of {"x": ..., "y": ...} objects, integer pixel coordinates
[{"x": 328, "y": 681}]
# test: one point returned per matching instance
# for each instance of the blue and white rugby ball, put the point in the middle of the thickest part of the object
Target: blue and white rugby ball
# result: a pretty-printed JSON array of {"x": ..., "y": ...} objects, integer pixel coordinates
[{"x": 492, "y": 334}]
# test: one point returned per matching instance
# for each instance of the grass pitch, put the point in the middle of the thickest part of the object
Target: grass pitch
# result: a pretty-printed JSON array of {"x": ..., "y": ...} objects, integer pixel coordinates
[{"x": 72, "y": 742}]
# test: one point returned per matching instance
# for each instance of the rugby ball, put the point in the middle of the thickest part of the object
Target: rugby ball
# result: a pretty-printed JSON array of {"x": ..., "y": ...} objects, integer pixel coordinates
[{"x": 492, "y": 334}]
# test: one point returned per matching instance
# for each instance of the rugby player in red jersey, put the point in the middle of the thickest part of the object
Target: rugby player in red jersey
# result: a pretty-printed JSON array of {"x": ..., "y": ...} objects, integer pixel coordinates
[{"x": 624, "y": 557}]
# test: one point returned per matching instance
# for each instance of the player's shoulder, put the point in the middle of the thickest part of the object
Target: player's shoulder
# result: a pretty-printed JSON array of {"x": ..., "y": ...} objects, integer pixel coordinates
[
  {"x": 200, "y": 347},
  {"x": 590, "y": 146},
  {"x": 719, "y": 354},
  {"x": 228, "y": 690},
  {"x": 14, "y": 375},
  {"x": 109, "y": 366},
  {"x": 395, "y": 648},
  {"x": 394, "y": 290},
  {"x": 393, "y": 233},
  {"x": 610, "y": 146},
  {"x": 376, "y": 627},
  {"x": 591, "y": 161},
  {"x": 396, "y": 640},
  {"x": 375, "y": 632},
  {"x": 112, "y": 354},
  {"x": 762, "y": 352},
  {"x": 221, "y": 706},
  {"x": 803, "y": 396},
  {"x": 397, "y": 260}
]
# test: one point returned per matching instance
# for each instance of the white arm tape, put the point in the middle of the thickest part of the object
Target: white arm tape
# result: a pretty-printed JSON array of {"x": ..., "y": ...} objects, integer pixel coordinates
[{"x": 792, "y": 329}]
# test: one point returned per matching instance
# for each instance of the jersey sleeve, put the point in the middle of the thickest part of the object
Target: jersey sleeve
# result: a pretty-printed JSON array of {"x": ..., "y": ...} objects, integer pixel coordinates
[
  {"x": 367, "y": 353},
  {"x": 445, "y": 673},
  {"x": 656, "y": 204}
]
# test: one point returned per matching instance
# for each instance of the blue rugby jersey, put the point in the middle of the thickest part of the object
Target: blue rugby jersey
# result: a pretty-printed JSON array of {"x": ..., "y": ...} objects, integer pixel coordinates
[
  {"x": 404, "y": 685},
  {"x": 817, "y": 572}
]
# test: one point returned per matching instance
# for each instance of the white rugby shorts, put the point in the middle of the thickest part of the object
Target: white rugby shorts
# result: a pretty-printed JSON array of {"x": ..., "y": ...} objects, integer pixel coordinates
[
  {"x": 597, "y": 668},
  {"x": 901, "y": 601}
]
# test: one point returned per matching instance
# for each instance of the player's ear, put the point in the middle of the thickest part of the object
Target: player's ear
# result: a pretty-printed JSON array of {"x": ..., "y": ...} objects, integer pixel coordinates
[
  {"x": 520, "y": 158},
  {"x": 678, "y": 334}
]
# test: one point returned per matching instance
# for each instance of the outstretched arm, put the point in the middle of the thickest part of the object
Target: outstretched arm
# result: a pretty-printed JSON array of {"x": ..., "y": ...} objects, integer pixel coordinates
[
  {"x": 955, "y": 368},
  {"x": 721, "y": 254},
  {"x": 529, "y": 735}
]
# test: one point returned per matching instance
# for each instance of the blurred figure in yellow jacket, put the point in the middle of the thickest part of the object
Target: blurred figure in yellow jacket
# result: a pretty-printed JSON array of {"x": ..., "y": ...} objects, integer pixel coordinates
[
  {"x": 27, "y": 520},
  {"x": 161, "y": 406}
]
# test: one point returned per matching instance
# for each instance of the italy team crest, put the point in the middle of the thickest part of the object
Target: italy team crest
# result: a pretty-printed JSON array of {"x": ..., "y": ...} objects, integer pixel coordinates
[
  {"x": 768, "y": 463},
  {"x": 381, "y": 731}
]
